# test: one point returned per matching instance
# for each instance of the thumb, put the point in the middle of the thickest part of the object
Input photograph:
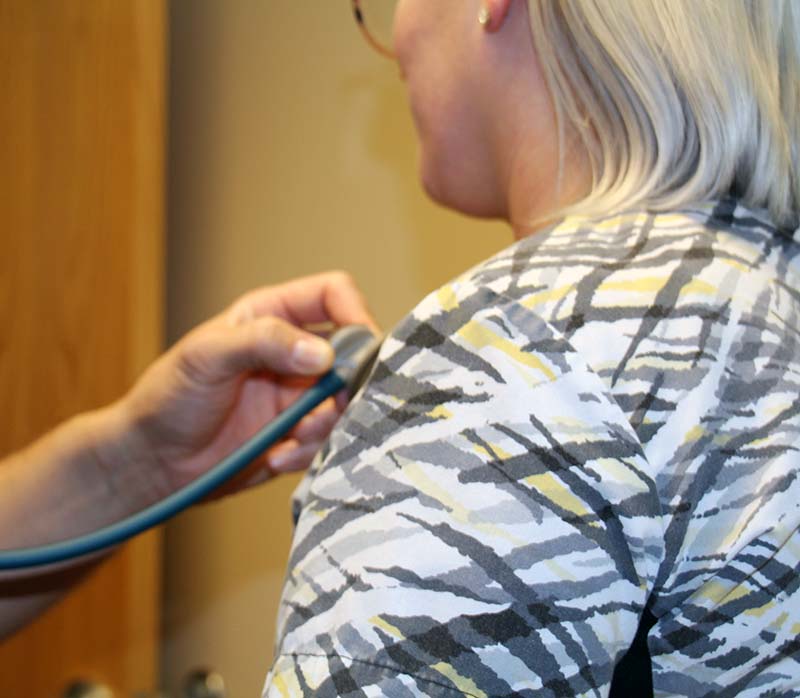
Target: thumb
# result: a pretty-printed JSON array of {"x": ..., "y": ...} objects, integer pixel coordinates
[{"x": 267, "y": 344}]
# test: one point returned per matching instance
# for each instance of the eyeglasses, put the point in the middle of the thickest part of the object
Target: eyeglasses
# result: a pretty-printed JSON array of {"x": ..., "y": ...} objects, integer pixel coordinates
[{"x": 375, "y": 19}]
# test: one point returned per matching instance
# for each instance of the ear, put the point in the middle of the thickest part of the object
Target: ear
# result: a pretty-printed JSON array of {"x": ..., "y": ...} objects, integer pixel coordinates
[{"x": 496, "y": 13}]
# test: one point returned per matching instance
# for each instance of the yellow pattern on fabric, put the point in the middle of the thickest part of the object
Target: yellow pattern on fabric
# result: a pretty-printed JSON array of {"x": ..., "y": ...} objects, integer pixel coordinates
[
  {"x": 560, "y": 571},
  {"x": 287, "y": 684},
  {"x": 553, "y": 294},
  {"x": 447, "y": 297},
  {"x": 417, "y": 476},
  {"x": 737, "y": 530},
  {"x": 558, "y": 493},
  {"x": 760, "y": 610},
  {"x": 699, "y": 287},
  {"x": 440, "y": 412},
  {"x": 660, "y": 362},
  {"x": 495, "y": 452},
  {"x": 649, "y": 284},
  {"x": 778, "y": 623},
  {"x": 697, "y": 432},
  {"x": 623, "y": 471},
  {"x": 388, "y": 627},
  {"x": 645, "y": 284},
  {"x": 280, "y": 684},
  {"x": 465, "y": 685},
  {"x": 480, "y": 337},
  {"x": 717, "y": 593},
  {"x": 738, "y": 266}
]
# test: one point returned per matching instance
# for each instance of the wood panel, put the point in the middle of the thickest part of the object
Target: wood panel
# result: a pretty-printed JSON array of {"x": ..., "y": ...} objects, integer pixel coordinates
[{"x": 81, "y": 221}]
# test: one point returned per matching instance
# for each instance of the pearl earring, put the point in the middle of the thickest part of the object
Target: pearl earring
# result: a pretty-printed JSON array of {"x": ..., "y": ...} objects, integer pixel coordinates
[{"x": 484, "y": 17}]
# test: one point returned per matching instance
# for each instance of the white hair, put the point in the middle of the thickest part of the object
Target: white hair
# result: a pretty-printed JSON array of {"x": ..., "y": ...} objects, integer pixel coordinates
[{"x": 678, "y": 101}]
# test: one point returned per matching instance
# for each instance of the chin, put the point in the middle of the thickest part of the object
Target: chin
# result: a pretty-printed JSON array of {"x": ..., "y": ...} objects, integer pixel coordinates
[{"x": 455, "y": 195}]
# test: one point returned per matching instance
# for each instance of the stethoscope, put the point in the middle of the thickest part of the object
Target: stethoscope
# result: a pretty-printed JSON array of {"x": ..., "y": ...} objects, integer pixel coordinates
[{"x": 356, "y": 349}]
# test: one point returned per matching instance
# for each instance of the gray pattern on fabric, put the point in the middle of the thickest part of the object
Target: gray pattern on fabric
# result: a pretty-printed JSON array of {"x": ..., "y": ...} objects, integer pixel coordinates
[{"x": 600, "y": 419}]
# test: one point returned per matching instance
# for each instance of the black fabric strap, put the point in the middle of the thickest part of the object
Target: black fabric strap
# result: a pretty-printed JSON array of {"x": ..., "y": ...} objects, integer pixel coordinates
[{"x": 633, "y": 675}]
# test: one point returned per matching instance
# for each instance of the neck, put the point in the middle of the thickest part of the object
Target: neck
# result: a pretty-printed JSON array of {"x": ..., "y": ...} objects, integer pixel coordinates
[{"x": 536, "y": 195}]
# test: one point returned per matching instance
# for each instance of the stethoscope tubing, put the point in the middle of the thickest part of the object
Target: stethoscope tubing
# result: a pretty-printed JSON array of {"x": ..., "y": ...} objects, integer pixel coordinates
[{"x": 116, "y": 533}]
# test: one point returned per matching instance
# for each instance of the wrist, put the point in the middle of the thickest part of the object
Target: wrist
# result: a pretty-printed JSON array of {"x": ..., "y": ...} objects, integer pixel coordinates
[
  {"x": 124, "y": 458},
  {"x": 85, "y": 474}
]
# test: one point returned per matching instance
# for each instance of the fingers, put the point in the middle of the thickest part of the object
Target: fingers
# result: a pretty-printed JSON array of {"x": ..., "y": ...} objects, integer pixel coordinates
[
  {"x": 328, "y": 297},
  {"x": 316, "y": 426},
  {"x": 220, "y": 351},
  {"x": 296, "y": 452},
  {"x": 292, "y": 455},
  {"x": 288, "y": 457},
  {"x": 272, "y": 344},
  {"x": 256, "y": 472}
]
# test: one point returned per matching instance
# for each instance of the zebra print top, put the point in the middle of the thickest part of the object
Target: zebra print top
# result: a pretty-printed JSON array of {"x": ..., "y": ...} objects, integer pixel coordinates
[{"x": 599, "y": 422}]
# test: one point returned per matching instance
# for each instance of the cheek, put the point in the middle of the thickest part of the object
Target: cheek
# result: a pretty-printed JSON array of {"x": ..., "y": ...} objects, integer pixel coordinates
[
  {"x": 402, "y": 33},
  {"x": 453, "y": 166},
  {"x": 438, "y": 117},
  {"x": 441, "y": 96}
]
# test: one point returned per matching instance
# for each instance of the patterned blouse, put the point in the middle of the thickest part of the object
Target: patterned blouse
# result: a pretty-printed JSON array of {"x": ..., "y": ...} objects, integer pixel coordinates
[{"x": 597, "y": 425}]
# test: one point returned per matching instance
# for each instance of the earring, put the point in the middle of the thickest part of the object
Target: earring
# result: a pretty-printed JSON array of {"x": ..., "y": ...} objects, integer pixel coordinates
[{"x": 484, "y": 17}]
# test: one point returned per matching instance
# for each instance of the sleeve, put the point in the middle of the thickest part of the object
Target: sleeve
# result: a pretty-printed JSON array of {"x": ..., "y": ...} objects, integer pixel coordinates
[{"x": 483, "y": 523}]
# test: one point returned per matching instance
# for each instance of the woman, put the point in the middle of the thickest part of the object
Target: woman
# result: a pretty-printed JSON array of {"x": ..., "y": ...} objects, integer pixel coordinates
[{"x": 590, "y": 437}]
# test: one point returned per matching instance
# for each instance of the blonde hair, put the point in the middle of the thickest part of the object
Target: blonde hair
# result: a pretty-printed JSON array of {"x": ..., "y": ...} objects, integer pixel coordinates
[{"x": 678, "y": 101}]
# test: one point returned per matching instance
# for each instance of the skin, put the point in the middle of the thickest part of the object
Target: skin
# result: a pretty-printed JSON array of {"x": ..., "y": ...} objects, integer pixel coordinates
[
  {"x": 197, "y": 403},
  {"x": 487, "y": 129}
]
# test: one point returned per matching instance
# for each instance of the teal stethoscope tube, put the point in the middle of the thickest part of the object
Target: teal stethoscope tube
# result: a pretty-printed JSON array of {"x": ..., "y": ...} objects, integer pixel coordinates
[{"x": 330, "y": 384}]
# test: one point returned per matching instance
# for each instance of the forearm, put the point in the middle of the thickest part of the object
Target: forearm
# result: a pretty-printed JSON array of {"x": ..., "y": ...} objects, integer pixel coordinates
[
  {"x": 25, "y": 597},
  {"x": 82, "y": 475}
]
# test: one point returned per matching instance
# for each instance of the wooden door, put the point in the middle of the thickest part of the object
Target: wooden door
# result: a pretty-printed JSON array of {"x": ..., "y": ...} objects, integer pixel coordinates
[{"x": 81, "y": 223}]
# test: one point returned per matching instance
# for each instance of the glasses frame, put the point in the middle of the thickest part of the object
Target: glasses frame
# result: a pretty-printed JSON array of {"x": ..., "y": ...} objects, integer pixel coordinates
[{"x": 371, "y": 40}]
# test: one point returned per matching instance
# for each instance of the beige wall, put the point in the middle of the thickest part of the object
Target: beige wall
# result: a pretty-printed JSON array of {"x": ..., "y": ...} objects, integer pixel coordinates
[{"x": 291, "y": 152}]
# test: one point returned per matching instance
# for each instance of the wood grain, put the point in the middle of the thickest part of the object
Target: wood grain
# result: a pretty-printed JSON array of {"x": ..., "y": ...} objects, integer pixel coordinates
[{"x": 81, "y": 267}]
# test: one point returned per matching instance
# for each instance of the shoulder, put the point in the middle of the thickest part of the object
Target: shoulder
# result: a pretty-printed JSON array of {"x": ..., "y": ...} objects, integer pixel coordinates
[
  {"x": 639, "y": 300},
  {"x": 483, "y": 468},
  {"x": 586, "y": 266}
]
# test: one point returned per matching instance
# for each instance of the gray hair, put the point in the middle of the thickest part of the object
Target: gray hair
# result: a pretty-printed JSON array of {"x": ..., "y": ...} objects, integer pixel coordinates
[{"x": 678, "y": 101}]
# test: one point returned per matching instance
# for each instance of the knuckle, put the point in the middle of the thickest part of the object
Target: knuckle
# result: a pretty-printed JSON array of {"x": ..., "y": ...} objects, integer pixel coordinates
[
  {"x": 192, "y": 359},
  {"x": 269, "y": 327},
  {"x": 240, "y": 311},
  {"x": 270, "y": 336},
  {"x": 245, "y": 308},
  {"x": 341, "y": 277}
]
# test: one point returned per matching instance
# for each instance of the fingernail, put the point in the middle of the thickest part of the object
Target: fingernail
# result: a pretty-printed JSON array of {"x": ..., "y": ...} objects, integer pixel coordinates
[
  {"x": 311, "y": 355},
  {"x": 279, "y": 460},
  {"x": 287, "y": 457}
]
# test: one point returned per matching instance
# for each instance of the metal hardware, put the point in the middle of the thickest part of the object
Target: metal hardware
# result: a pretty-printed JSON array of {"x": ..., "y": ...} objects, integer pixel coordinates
[
  {"x": 204, "y": 683},
  {"x": 87, "y": 689}
]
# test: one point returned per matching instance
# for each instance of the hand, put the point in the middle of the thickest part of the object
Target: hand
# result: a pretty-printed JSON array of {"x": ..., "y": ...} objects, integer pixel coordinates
[{"x": 230, "y": 376}]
